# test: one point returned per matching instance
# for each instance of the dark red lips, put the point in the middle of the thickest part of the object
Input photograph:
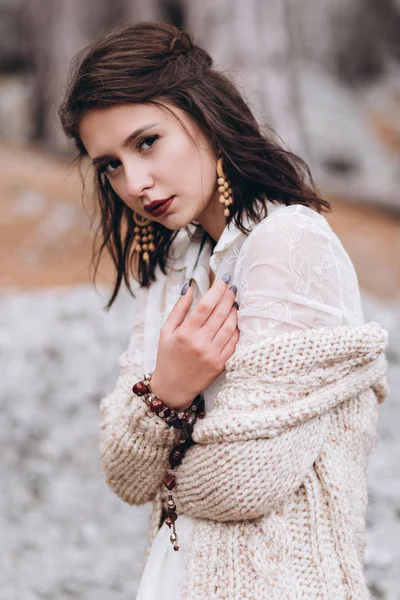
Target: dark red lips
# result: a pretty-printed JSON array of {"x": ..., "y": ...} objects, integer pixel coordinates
[{"x": 159, "y": 207}]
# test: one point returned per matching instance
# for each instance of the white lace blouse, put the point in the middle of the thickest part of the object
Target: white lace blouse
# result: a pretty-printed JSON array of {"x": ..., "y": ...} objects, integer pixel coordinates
[{"x": 291, "y": 272}]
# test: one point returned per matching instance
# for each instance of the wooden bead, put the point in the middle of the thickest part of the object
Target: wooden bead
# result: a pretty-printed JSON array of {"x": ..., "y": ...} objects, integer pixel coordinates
[
  {"x": 226, "y": 212},
  {"x": 221, "y": 181},
  {"x": 169, "y": 481},
  {"x": 146, "y": 256},
  {"x": 175, "y": 457},
  {"x": 166, "y": 412},
  {"x": 156, "y": 405},
  {"x": 140, "y": 388}
]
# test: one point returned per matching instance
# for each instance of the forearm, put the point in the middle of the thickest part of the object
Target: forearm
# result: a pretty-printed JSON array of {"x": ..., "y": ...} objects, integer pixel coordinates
[
  {"x": 234, "y": 481},
  {"x": 134, "y": 444}
]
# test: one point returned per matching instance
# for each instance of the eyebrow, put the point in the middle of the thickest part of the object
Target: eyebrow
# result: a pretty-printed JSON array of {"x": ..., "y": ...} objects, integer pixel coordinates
[{"x": 131, "y": 138}]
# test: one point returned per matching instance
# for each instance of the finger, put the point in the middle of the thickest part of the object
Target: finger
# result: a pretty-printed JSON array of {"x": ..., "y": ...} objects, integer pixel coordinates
[
  {"x": 225, "y": 331},
  {"x": 208, "y": 302},
  {"x": 230, "y": 347},
  {"x": 220, "y": 313},
  {"x": 179, "y": 311}
]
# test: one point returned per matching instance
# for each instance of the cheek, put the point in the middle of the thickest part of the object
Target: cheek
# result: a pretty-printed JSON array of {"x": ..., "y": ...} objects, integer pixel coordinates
[{"x": 191, "y": 165}]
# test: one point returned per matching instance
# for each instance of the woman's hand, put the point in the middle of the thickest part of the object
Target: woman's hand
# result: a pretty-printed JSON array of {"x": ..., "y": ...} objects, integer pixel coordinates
[{"x": 193, "y": 348}]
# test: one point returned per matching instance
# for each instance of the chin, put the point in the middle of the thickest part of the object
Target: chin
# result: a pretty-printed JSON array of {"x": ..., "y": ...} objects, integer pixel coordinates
[{"x": 175, "y": 222}]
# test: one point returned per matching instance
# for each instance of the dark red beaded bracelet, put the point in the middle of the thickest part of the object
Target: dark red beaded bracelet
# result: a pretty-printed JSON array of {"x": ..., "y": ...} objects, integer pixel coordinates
[{"x": 184, "y": 422}]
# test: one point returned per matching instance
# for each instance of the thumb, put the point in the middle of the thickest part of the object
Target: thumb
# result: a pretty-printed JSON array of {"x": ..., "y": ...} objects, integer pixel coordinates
[{"x": 180, "y": 310}]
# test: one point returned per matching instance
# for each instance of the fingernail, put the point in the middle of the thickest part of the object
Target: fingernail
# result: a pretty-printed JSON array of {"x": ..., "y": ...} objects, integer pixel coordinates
[
  {"x": 235, "y": 304},
  {"x": 185, "y": 288},
  {"x": 226, "y": 278},
  {"x": 233, "y": 288}
]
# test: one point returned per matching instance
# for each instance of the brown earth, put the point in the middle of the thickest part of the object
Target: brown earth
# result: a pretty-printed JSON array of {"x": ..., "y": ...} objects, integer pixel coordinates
[{"x": 45, "y": 237}]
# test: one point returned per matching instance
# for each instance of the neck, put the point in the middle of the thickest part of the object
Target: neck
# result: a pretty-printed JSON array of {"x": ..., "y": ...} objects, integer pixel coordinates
[{"x": 212, "y": 220}]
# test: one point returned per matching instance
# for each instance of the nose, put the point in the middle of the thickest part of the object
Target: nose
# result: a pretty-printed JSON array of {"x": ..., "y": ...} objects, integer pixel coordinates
[{"x": 137, "y": 179}]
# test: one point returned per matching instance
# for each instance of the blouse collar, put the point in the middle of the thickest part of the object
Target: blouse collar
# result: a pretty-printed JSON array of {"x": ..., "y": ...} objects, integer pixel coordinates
[
  {"x": 227, "y": 237},
  {"x": 185, "y": 250}
]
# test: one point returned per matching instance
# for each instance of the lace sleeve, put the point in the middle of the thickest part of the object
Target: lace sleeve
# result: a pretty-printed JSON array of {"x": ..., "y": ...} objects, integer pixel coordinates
[
  {"x": 134, "y": 354},
  {"x": 293, "y": 275}
]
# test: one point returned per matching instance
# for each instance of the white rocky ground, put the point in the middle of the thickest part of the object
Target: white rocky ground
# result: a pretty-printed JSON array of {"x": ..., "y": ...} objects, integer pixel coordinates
[{"x": 63, "y": 533}]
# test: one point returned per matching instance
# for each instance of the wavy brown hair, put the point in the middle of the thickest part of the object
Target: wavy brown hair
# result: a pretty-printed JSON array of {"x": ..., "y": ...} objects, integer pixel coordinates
[{"x": 152, "y": 63}]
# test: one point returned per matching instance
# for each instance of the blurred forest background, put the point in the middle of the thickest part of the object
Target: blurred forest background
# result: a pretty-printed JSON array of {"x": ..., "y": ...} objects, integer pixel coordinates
[{"x": 326, "y": 76}]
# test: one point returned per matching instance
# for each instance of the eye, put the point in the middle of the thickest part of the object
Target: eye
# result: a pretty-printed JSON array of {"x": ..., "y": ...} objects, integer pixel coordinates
[
  {"x": 149, "y": 141},
  {"x": 110, "y": 167}
]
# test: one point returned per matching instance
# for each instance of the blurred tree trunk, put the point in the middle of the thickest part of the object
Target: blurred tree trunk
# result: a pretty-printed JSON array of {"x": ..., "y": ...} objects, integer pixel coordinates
[
  {"x": 149, "y": 10},
  {"x": 352, "y": 39},
  {"x": 57, "y": 30},
  {"x": 256, "y": 41}
]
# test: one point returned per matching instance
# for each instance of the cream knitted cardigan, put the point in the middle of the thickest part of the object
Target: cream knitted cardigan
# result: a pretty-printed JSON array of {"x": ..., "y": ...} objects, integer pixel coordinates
[{"x": 277, "y": 477}]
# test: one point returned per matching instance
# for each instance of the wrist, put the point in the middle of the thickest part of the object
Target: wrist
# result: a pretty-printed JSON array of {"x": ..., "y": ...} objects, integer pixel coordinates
[
  {"x": 180, "y": 416},
  {"x": 178, "y": 401}
]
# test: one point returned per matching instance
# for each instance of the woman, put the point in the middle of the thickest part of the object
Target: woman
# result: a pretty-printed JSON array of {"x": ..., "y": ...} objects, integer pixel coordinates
[{"x": 266, "y": 495}]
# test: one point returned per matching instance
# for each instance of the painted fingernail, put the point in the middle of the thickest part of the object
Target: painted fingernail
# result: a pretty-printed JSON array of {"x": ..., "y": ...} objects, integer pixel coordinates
[
  {"x": 226, "y": 278},
  {"x": 185, "y": 288},
  {"x": 235, "y": 304},
  {"x": 233, "y": 288}
]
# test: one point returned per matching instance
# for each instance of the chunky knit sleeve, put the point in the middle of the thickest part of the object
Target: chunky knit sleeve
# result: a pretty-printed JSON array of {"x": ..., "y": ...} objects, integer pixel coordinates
[
  {"x": 134, "y": 443},
  {"x": 270, "y": 419}
]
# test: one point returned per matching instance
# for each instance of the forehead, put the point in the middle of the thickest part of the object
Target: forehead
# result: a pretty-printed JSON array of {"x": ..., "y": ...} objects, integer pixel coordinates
[{"x": 102, "y": 128}]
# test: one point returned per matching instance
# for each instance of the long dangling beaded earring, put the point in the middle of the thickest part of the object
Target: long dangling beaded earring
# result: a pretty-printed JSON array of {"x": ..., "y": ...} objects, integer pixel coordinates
[
  {"x": 144, "y": 236},
  {"x": 224, "y": 188}
]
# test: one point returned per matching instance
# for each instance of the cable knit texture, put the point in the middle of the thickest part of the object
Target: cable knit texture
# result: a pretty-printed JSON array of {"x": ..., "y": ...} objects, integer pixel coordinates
[{"x": 277, "y": 479}]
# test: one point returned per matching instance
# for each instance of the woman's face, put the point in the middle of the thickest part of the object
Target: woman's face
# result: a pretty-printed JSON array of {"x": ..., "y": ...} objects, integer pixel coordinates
[{"x": 148, "y": 155}]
